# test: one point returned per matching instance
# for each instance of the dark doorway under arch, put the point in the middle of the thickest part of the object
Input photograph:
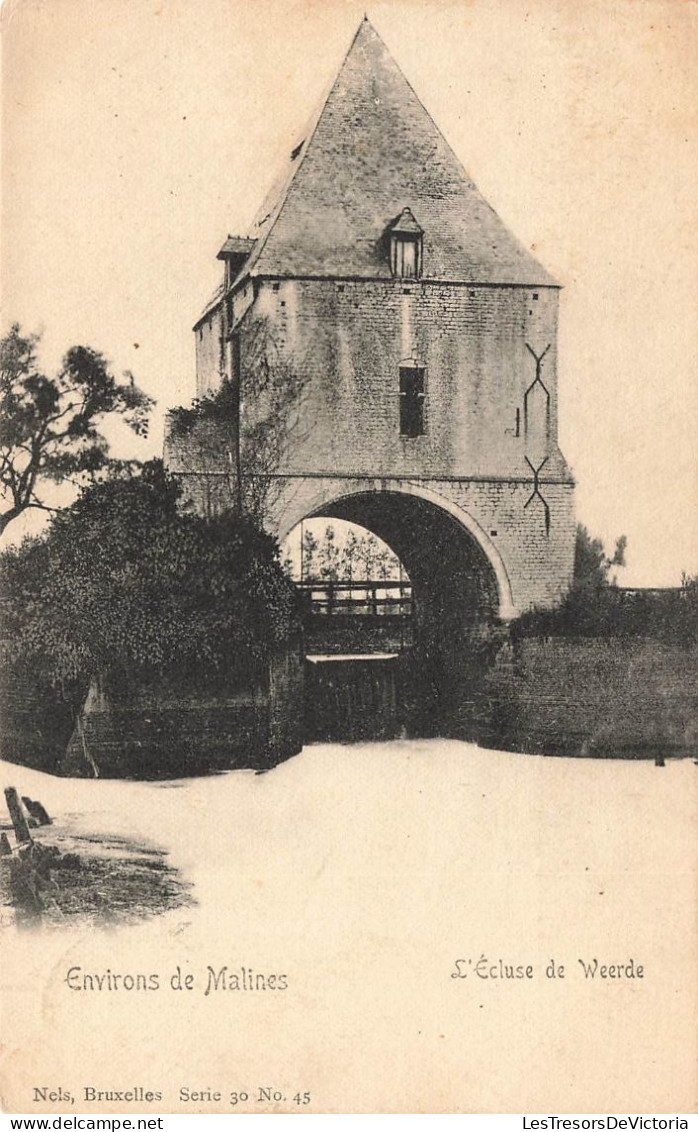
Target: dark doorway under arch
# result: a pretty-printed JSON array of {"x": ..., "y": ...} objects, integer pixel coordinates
[{"x": 432, "y": 683}]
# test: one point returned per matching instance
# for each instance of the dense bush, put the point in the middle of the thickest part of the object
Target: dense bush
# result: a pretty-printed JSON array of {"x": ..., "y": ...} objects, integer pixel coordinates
[
  {"x": 597, "y": 607},
  {"x": 126, "y": 585},
  {"x": 220, "y": 407}
]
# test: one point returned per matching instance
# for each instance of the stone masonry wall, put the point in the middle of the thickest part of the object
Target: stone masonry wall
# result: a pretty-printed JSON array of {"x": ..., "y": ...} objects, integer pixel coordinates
[
  {"x": 348, "y": 340},
  {"x": 537, "y": 562},
  {"x": 608, "y": 697},
  {"x": 490, "y": 443},
  {"x": 210, "y": 351},
  {"x": 204, "y": 458}
]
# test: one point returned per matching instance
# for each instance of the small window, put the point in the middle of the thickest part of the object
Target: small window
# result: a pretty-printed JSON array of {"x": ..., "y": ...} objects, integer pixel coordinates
[
  {"x": 405, "y": 246},
  {"x": 411, "y": 400},
  {"x": 406, "y": 257}
]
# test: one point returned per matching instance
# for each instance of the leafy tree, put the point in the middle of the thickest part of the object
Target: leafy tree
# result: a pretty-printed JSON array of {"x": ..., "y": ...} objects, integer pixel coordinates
[
  {"x": 349, "y": 556},
  {"x": 329, "y": 555},
  {"x": 209, "y": 428},
  {"x": 308, "y": 552},
  {"x": 589, "y": 607},
  {"x": 597, "y": 607},
  {"x": 592, "y": 566},
  {"x": 219, "y": 407},
  {"x": 368, "y": 554},
  {"x": 387, "y": 564},
  {"x": 126, "y": 586},
  {"x": 50, "y": 426}
]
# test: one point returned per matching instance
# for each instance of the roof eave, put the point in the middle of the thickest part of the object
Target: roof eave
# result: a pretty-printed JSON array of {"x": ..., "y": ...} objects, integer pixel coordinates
[{"x": 440, "y": 281}]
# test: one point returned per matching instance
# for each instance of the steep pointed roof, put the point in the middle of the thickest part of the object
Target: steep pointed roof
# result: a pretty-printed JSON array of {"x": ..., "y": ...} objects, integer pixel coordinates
[{"x": 372, "y": 152}]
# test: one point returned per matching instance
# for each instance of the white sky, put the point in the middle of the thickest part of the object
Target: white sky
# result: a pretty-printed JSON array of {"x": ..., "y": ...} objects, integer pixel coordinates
[{"x": 138, "y": 133}]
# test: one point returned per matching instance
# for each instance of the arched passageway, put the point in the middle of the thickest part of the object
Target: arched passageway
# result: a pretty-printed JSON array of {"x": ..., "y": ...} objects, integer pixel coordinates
[{"x": 457, "y": 602}]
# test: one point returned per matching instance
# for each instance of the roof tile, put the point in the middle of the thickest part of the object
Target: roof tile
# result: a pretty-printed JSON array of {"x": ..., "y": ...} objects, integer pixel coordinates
[{"x": 373, "y": 153}]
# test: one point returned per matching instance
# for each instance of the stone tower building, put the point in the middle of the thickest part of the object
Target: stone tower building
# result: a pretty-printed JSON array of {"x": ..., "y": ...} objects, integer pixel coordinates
[{"x": 390, "y": 351}]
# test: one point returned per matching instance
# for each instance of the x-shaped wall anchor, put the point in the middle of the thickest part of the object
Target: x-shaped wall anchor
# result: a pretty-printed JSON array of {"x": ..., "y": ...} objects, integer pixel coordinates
[
  {"x": 538, "y": 380},
  {"x": 536, "y": 493}
]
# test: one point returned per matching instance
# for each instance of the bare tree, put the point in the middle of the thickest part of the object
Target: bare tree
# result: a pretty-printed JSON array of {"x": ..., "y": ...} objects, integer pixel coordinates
[
  {"x": 271, "y": 403},
  {"x": 239, "y": 434}
]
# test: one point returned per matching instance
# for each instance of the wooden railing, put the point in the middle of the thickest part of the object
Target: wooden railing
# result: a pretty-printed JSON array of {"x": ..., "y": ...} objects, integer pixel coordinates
[{"x": 364, "y": 598}]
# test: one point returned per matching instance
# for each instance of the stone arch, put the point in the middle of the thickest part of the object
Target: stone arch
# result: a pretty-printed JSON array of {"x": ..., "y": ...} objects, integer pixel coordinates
[{"x": 329, "y": 496}]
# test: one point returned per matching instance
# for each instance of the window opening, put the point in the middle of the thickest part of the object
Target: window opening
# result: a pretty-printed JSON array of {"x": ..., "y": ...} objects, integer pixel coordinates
[
  {"x": 405, "y": 246},
  {"x": 411, "y": 401}
]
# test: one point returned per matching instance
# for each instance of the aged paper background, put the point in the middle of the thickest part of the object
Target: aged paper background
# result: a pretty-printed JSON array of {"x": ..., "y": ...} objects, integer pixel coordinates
[
  {"x": 364, "y": 874},
  {"x": 134, "y": 134}
]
